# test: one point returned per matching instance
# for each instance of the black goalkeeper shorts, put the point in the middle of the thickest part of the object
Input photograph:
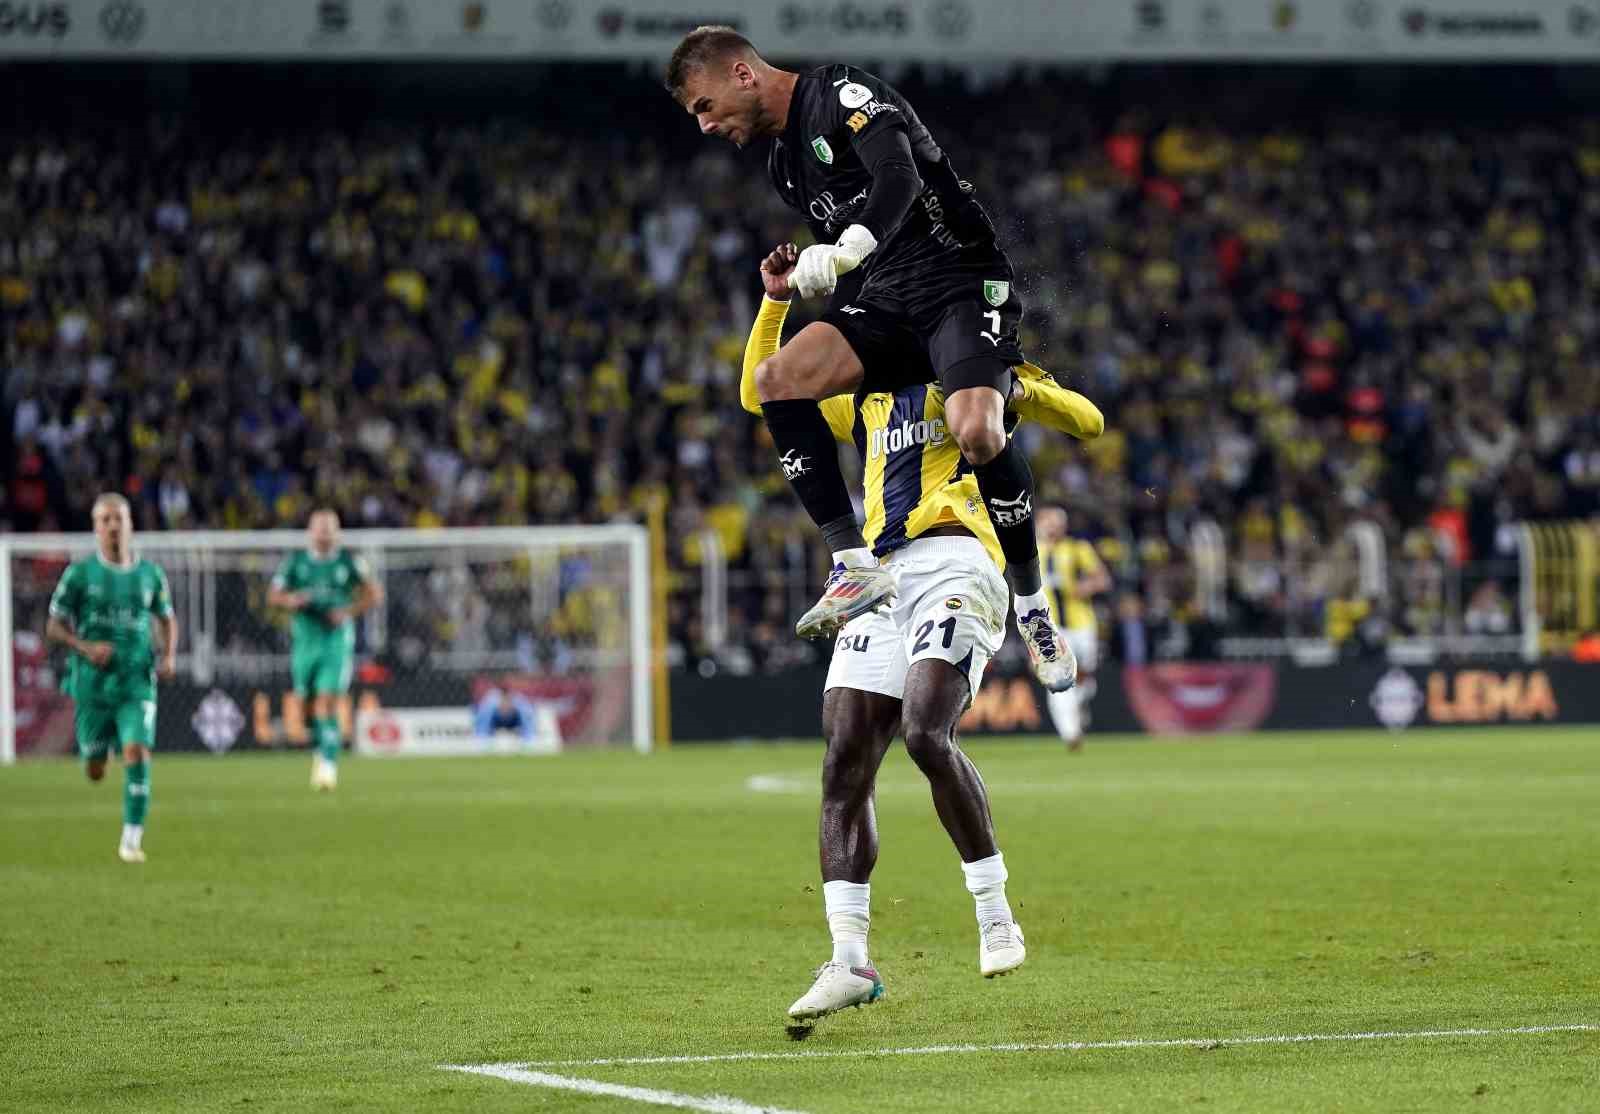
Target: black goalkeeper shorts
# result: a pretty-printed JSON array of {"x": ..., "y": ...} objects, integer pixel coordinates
[{"x": 955, "y": 323}]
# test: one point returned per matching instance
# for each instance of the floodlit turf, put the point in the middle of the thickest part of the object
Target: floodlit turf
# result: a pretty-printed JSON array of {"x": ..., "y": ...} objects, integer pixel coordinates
[{"x": 285, "y": 951}]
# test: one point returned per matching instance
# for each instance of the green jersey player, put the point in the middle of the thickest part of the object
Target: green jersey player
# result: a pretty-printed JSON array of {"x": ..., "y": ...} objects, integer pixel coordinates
[
  {"x": 328, "y": 588},
  {"x": 101, "y": 611}
]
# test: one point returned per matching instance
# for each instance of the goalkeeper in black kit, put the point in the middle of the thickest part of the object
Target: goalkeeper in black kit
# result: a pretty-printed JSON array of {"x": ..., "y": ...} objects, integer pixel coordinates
[{"x": 920, "y": 291}]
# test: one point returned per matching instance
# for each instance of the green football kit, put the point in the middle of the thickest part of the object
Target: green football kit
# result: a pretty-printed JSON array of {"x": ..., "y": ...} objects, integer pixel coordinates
[
  {"x": 322, "y": 655},
  {"x": 115, "y": 704}
]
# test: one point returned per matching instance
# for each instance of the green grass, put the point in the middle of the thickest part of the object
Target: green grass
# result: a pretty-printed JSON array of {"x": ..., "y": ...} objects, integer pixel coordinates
[{"x": 284, "y": 951}]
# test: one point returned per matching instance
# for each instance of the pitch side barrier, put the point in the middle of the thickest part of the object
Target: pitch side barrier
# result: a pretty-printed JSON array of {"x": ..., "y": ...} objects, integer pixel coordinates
[
  {"x": 1172, "y": 698},
  {"x": 1188, "y": 698}
]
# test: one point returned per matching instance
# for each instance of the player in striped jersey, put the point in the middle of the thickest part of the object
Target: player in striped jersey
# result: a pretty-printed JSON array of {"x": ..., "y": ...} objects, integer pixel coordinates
[
  {"x": 911, "y": 668},
  {"x": 1073, "y": 576}
]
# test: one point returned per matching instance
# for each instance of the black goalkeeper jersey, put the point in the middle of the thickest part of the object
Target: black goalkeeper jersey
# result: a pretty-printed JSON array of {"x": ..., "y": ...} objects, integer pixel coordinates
[{"x": 815, "y": 168}]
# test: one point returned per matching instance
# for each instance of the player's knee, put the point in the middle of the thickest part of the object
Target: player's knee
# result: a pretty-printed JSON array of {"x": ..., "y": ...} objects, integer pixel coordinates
[
  {"x": 928, "y": 745},
  {"x": 133, "y": 753},
  {"x": 778, "y": 377},
  {"x": 979, "y": 435},
  {"x": 845, "y": 766}
]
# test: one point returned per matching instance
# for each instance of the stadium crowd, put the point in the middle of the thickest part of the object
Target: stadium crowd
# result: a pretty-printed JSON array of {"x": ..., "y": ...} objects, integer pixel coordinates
[{"x": 1289, "y": 328}]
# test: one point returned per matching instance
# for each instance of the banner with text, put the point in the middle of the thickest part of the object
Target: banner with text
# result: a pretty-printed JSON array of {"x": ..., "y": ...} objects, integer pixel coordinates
[
  {"x": 1186, "y": 698},
  {"x": 847, "y": 30}
]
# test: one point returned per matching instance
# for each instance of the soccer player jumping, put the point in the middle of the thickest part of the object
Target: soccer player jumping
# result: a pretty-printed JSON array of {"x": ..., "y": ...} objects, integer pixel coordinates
[
  {"x": 914, "y": 667},
  {"x": 925, "y": 294},
  {"x": 101, "y": 611},
  {"x": 328, "y": 588}
]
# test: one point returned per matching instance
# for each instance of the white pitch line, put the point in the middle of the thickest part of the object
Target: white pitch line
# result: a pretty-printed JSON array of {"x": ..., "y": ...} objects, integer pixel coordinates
[
  {"x": 779, "y": 783},
  {"x": 713, "y": 1104},
  {"x": 1060, "y": 1046}
]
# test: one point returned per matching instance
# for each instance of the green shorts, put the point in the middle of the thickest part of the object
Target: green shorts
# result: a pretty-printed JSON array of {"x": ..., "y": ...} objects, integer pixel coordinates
[
  {"x": 106, "y": 727},
  {"x": 322, "y": 669}
]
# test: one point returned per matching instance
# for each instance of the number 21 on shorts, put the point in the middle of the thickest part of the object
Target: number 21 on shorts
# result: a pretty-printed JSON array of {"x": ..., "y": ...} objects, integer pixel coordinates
[{"x": 922, "y": 643}]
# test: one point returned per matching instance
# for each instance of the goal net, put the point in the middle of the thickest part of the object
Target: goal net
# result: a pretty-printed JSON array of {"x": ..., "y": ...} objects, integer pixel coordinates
[{"x": 557, "y": 619}]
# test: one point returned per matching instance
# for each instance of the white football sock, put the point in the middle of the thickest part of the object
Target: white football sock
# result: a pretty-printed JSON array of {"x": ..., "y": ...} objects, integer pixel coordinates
[
  {"x": 858, "y": 558},
  {"x": 846, "y": 904},
  {"x": 132, "y": 835},
  {"x": 1066, "y": 710},
  {"x": 1037, "y": 601},
  {"x": 986, "y": 882}
]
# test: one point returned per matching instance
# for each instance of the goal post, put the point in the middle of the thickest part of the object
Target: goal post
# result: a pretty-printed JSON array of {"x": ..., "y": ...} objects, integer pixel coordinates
[{"x": 558, "y": 618}]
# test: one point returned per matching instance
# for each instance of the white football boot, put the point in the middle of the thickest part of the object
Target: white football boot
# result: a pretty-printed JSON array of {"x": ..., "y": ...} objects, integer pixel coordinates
[
  {"x": 1054, "y": 663},
  {"x": 1000, "y": 948},
  {"x": 130, "y": 852},
  {"x": 851, "y": 591},
  {"x": 324, "y": 775},
  {"x": 838, "y": 987}
]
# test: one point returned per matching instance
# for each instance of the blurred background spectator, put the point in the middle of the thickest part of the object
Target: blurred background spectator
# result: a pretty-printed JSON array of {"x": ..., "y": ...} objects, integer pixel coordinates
[{"x": 1302, "y": 305}]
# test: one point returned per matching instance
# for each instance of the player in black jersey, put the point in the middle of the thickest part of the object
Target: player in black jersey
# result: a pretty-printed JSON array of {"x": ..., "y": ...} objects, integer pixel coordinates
[{"x": 926, "y": 294}]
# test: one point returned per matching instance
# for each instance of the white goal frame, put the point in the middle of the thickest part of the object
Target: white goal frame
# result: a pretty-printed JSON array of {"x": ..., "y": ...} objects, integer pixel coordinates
[{"x": 533, "y": 539}]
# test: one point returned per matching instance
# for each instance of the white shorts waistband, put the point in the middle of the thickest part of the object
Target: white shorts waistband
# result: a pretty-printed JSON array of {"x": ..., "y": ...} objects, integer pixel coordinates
[{"x": 944, "y": 547}]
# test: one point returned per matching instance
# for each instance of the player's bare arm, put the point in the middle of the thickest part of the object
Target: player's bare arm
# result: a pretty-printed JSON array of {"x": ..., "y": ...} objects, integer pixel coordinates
[
  {"x": 98, "y": 654},
  {"x": 167, "y": 664}
]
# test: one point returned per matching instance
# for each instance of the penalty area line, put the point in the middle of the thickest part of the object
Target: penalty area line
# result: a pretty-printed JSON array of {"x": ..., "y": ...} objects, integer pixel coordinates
[
  {"x": 1056, "y": 1046},
  {"x": 712, "y": 1104}
]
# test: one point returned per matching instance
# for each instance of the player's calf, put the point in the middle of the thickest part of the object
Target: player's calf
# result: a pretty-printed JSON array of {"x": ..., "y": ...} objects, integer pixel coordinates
[
  {"x": 936, "y": 695},
  {"x": 329, "y": 742},
  {"x": 135, "y": 802}
]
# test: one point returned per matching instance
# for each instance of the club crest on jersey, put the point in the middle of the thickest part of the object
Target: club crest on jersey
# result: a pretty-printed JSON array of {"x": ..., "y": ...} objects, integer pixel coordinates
[
  {"x": 996, "y": 292},
  {"x": 854, "y": 95},
  {"x": 955, "y": 603},
  {"x": 824, "y": 152}
]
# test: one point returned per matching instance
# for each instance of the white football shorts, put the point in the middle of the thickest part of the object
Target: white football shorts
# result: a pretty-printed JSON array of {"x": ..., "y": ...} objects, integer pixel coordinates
[
  {"x": 952, "y": 605},
  {"x": 1085, "y": 643}
]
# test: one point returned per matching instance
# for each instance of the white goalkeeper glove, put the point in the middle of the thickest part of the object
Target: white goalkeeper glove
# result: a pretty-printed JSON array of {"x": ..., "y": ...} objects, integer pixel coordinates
[{"x": 818, "y": 269}]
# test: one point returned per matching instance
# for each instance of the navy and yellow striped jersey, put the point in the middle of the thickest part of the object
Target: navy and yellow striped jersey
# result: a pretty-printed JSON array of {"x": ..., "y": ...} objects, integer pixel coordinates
[
  {"x": 915, "y": 478},
  {"x": 1063, "y": 564}
]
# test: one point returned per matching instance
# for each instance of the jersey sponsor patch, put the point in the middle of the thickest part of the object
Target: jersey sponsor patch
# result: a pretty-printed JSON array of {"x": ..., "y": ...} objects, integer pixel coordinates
[
  {"x": 794, "y": 464},
  {"x": 864, "y": 116},
  {"x": 824, "y": 152},
  {"x": 1011, "y": 512},
  {"x": 853, "y": 94}
]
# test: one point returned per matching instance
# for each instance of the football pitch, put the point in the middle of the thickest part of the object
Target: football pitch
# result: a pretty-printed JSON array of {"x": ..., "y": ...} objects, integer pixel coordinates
[{"x": 1353, "y": 921}]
